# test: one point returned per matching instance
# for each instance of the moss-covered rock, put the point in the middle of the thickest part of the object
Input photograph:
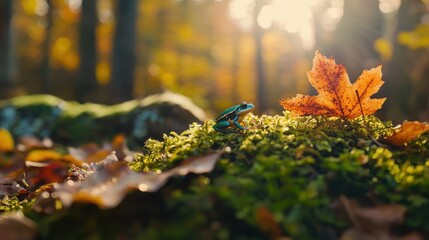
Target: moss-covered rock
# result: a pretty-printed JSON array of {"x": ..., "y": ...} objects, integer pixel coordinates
[{"x": 73, "y": 123}]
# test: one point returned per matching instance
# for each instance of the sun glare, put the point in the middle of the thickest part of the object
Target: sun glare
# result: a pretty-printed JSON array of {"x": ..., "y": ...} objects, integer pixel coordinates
[
  {"x": 291, "y": 16},
  {"x": 74, "y": 5},
  {"x": 332, "y": 15},
  {"x": 242, "y": 12},
  {"x": 389, "y": 6},
  {"x": 266, "y": 17}
]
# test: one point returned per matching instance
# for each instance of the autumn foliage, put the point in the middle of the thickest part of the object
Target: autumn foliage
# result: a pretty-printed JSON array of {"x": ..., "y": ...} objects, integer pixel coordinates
[{"x": 338, "y": 97}]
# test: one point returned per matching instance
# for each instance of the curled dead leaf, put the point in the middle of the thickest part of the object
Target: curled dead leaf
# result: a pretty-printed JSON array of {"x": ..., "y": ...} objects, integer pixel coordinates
[
  {"x": 407, "y": 132},
  {"x": 107, "y": 186}
]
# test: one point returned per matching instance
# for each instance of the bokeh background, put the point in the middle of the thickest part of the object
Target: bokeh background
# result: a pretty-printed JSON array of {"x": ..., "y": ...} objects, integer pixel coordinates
[{"x": 217, "y": 52}]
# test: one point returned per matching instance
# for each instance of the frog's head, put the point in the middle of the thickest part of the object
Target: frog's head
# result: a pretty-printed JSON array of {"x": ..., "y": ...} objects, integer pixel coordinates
[{"x": 244, "y": 108}]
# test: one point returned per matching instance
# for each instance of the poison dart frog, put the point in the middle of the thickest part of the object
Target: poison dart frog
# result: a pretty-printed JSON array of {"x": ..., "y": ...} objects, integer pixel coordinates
[{"x": 229, "y": 120}]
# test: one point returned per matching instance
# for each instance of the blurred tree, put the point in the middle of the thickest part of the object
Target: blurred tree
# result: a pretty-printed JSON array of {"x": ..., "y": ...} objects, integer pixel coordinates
[
  {"x": 413, "y": 63},
  {"x": 7, "y": 66},
  {"x": 87, "y": 81},
  {"x": 260, "y": 67},
  {"x": 215, "y": 52},
  {"x": 124, "y": 59},
  {"x": 46, "y": 62}
]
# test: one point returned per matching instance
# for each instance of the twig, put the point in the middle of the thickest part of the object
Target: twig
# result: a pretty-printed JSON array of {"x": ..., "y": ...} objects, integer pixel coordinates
[
  {"x": 366, "y": 123},
  {"x": 352, "y": 216}
]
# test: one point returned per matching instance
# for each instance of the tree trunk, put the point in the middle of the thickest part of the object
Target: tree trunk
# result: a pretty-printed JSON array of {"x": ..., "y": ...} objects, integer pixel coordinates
[
  {"x": 7, "y": 65},
  {"x": 235, "y": 69},
  {"x": 87, "y": 82},
  {"x": 124, "y": 58}
]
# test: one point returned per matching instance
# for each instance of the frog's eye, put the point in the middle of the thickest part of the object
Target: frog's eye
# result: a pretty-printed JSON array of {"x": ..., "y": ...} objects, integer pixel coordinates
[{"x": 243, "y": 104}]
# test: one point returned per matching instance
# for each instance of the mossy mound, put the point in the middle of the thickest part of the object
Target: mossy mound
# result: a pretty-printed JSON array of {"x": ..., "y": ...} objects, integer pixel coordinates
[
  {"x": 296, "y": 168},
  {"x": 283, "y": 177}
]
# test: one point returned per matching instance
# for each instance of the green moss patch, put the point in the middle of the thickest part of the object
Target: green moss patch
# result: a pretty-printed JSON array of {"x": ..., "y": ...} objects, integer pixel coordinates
[{"x": 297, "y": 168}]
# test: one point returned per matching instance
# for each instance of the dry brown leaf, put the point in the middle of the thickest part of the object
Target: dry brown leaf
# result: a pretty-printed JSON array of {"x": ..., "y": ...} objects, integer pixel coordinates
[
  {"x": 373, "y": 223},
  {"x": 382, "y": 216},
  {"x": 93, "y": 153},
  {"x": 47, "y": 172},
  {"x": 407, "y": 132},
  {"x": 13, "y": 185},
  {"x": 89, "y": 153},
  {"x": 337, "y": 95},
  {"x": 354, "y": 234},
  {"x": 39, "y": 164}
]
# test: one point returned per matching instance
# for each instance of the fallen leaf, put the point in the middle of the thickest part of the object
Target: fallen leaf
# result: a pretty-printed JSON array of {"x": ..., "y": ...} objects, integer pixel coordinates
[
  {"x": 267, "y": 223},
  {"x": 354, "y": 234},
  {"x": 407, "y": 132},
  {"x": 92, "y": 153},
  {"x": 89, "y": 153},
  {"x": 41, "y": 155},
  {"x": 107, "y": 186},
  {"x": 30, "y": 142},
  {"x": 337, "y": 95},
  {"x": 14, "y": 164},
  {"x": 373, "y": 223},
  {"x": 6, "y": 141},
  {"x": 111, "y": 158},
  {"x": 382, "y": 216},
  {"x": 45, "y": 173},
  {"x": 14, "y": 184}
]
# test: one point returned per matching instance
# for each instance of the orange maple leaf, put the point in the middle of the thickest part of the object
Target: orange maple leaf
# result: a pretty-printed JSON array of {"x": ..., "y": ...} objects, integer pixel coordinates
[
  {"x": 338, "y": 97},
  {"x": 407, "y": 132}
]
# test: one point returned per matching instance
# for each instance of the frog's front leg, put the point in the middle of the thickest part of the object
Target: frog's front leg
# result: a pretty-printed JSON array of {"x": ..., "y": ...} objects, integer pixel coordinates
[{"x": 238, "y": 125}]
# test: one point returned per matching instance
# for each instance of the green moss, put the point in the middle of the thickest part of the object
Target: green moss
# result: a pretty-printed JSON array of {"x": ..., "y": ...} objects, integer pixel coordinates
[
  {"x": 268, "y": 135},
  {"x": 73, "y": 109},
  {"x": 296, "y": 167},
  {"x": 10, "y": 204}
]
